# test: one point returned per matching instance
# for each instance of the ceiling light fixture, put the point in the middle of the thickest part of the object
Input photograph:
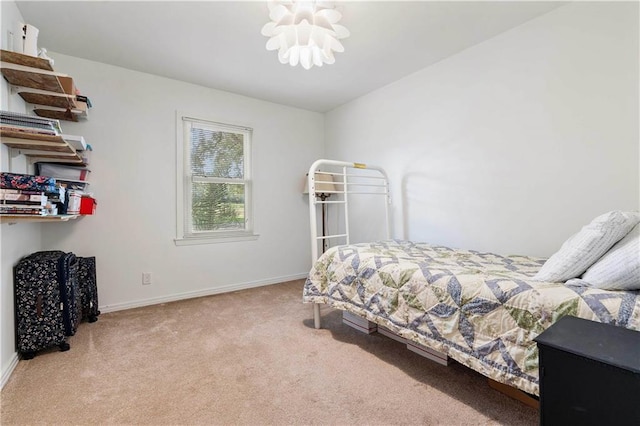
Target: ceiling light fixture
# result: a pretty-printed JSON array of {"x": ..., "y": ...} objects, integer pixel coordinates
[{"x": 304, "y": 32}]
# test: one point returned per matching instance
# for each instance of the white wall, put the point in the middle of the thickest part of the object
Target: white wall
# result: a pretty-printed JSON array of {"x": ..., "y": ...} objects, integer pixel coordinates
[
  {"x": 511, "y": 145},
  {"x": 17, "y": 240},
  {"x": 132, "y": 129}
]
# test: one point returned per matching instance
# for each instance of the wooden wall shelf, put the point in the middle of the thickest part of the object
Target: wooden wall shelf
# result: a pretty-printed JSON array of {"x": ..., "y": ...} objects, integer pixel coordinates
[
  {"x": 68, "y": 115},
  {"x": 32, "y": 78},
  {"x": 25, "y": 60},
  {"x": 54, "y": 96},
  {"x": 49, "y": 99},
  {"x": 15, "y": 218},
  {"x": 36, "y": 82},
  {"x": 45, "y": 147}
]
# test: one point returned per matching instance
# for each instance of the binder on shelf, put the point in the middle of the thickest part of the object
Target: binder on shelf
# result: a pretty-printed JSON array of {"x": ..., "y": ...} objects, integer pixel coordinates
[{"x": 28, "y": 122}]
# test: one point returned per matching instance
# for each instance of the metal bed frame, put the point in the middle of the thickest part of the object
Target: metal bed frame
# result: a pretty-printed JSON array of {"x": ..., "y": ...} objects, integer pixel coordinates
[{"x": 348, "y": 178}]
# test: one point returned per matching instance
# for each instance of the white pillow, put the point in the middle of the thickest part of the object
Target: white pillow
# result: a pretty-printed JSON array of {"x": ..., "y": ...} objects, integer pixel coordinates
[
  {"x": 587, "y": 246},
  {"x": 619, "y": 268}
]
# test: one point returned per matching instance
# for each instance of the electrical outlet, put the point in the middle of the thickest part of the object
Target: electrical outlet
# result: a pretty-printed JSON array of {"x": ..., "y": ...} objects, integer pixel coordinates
[{"x": 146, "y": 278}]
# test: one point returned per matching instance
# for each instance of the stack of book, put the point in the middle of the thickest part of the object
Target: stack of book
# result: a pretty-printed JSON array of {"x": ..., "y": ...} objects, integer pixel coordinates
[
  {"x": 31, "y": 195},
  {"x": 23, "y": 123},
  {"x": 23, "y": 202}
]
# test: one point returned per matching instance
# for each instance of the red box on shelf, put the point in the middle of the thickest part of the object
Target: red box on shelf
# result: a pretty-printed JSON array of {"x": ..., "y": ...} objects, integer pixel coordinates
[{"x": 87, "y": 205}]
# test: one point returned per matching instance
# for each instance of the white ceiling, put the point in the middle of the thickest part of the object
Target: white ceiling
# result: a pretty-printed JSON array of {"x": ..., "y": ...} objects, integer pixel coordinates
[{"x": 219, "y": 45}]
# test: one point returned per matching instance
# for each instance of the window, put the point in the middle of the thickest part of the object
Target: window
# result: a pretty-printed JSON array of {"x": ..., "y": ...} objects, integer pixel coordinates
[{"x": 214, "y": 182}]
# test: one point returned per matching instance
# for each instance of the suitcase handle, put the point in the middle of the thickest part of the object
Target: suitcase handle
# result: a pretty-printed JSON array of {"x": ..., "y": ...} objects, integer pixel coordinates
[{"x": 39, "y": 305}]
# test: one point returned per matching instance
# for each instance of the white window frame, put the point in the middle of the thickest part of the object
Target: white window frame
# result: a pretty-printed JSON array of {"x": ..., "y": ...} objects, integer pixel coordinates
[{"x": 184, "y": 234}]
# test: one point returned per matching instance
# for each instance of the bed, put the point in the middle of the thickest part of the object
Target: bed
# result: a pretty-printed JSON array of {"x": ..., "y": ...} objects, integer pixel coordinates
[{"x": 482, "y": 310}]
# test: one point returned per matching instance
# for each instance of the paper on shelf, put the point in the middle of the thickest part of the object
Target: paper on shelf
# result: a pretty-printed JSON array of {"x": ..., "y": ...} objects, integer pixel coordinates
[{"x": 77, "y": 142}]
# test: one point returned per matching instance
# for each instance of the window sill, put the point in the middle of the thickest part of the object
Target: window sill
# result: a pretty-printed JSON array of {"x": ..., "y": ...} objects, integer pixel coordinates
[{"x": 215, "y": 239}]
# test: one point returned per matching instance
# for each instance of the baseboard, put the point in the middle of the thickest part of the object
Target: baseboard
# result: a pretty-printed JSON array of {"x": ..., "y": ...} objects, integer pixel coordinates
[
  {"x": 199, "y": 293},
  {"x": 6, "y": 374}
]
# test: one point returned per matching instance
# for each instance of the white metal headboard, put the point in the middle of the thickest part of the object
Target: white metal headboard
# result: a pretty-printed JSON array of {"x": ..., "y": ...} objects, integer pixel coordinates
[{"x": 348, "y": 179}]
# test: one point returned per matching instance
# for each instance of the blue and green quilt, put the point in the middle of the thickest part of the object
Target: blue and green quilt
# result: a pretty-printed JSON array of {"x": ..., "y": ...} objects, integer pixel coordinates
[{"x": 481, "y": 309}]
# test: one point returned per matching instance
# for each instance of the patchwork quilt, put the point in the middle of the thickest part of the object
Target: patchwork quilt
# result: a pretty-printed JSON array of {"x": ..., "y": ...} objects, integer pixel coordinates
[{"x": 482, "y": 309}]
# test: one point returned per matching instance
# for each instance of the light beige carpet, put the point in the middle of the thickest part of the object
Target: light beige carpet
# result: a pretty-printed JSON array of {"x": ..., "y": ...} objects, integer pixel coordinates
[{"x": 249, "y": 357}]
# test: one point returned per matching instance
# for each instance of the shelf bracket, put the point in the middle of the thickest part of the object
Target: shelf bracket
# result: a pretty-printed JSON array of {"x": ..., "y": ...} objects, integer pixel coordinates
[{"x": 14, "y": 152}]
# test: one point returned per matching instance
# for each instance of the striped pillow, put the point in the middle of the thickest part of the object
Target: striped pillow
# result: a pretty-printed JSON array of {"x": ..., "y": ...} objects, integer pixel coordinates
[
  {"x": 583, "y": 249},
  {"x": 619, "y": 269}
]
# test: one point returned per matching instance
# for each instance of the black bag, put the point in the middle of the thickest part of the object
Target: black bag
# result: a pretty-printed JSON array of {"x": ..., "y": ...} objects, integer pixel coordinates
[
  {"x": 47, "y": 301},
  {"x": 88, "y": 288}
]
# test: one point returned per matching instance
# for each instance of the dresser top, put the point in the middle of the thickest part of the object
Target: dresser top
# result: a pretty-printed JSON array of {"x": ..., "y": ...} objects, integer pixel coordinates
[{"x": 617, "y": 346}]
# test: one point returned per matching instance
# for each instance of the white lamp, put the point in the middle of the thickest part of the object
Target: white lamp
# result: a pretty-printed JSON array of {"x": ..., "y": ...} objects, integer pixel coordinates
[
  {"x": 304, "y": 32},
  {"x": 324, "y": 186}
]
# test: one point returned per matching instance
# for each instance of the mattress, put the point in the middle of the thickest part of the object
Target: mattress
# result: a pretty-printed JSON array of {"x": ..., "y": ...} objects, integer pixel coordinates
[{"x": 482, "y": 309}]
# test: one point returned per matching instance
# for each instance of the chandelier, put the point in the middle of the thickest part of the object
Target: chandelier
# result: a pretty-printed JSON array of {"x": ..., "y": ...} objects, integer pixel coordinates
[{"x": 304, "y": 32}]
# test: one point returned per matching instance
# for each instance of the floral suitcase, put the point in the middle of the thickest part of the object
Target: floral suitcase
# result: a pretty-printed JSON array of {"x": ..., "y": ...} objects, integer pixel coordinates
[
  {"x": 88, "y": 288},
  {"x": 47, "y": 300}
]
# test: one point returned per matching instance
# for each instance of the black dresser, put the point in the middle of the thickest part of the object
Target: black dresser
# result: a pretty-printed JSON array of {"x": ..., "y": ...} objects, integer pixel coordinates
[{"x": 589, "y": 374}]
